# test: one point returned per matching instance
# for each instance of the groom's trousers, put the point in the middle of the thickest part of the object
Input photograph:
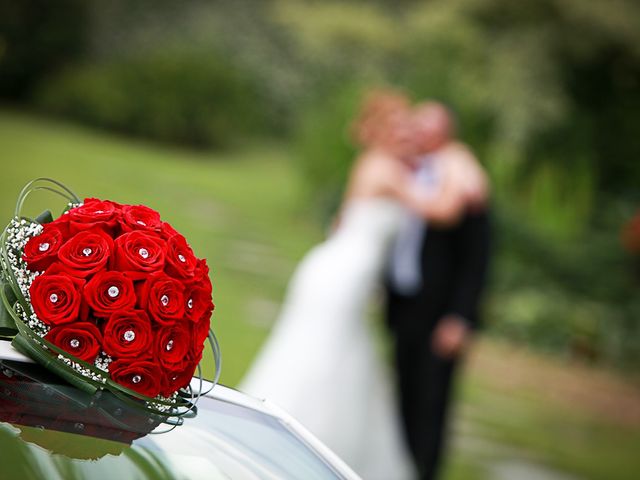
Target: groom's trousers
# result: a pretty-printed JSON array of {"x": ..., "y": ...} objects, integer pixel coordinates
[{"x": 453, "y": 265}]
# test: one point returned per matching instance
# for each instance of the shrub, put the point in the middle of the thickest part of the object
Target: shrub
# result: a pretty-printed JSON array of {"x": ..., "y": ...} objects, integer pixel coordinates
[
  {"x": 37, "y": 37},
  {"x": 201, "y": 100}
]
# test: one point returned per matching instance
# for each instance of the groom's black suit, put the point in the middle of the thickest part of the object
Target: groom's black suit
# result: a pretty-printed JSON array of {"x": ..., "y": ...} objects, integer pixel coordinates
[{"x": 453, "y": 264}]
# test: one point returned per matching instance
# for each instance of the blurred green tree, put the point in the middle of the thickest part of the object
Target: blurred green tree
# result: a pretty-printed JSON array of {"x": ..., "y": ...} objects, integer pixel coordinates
[
  {"x": 36, "y": 38},
  {"x": 546, "y": 92}
]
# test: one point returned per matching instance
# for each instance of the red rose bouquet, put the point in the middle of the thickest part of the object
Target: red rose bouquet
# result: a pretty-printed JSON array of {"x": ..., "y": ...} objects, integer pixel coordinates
[{"x": 108, "y": 296}]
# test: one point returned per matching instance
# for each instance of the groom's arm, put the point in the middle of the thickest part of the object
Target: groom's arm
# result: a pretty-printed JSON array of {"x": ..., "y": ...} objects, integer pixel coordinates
[{"x": 473, "y": 247}]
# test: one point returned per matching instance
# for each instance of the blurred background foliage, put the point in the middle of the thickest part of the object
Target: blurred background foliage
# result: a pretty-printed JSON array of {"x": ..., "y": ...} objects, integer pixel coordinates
[{"x": 546, "y": 92}]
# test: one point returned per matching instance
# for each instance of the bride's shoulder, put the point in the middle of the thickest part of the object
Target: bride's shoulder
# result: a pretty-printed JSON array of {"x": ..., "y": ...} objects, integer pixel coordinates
[
  {"x": 377, "y": 162},
  {"x": 458, "y": 152},
  {"x": 376, "y": 174},
  {"x": 374, "y": 156}
]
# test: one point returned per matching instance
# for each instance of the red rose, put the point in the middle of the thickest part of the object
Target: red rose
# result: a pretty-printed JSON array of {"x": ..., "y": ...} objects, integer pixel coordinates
[
  {"x": 163, "y": 298},
  {"x": 139, "y": 251},
  {"x": 143, "y": 376},
  {"x": 128, "y": 334},
  {"x": 80, "y": 339},
  {"x": 196, "y": 354},
  {"x": 181, "y": 262},
  {"x": 173, "y": 345},
  {"x": 198, "y": 301},
  {"x": 200, "y": 332},
  {"x": 198, "y": 293},
  {"x": 174, "y": 380},
  {"x": 109, "y": 292},
  {"x": 139, "y": 217},
  {"x": 94, "y": 213},
  {"x": 167, "y": 231},
  {"x": 41, "y": 251},
  {"x": 85, "y": 253},
  {"x": 202, "y": 269},
  {"x": 56, "y": 299}
]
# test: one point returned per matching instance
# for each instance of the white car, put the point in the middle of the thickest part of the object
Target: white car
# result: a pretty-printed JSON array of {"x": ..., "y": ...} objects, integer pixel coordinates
[{"x": 50, "y": 430}]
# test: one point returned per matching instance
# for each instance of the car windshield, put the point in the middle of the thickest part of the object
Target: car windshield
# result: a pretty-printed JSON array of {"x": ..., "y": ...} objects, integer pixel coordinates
[{"x": 51, "y": 430}]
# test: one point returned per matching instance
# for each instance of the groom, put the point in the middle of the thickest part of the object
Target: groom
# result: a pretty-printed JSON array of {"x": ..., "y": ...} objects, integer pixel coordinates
[{"x": 435, "y": 280}]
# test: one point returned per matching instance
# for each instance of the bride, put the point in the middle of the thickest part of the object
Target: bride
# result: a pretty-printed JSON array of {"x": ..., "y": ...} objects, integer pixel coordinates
[{"x": 320, "y": 362}]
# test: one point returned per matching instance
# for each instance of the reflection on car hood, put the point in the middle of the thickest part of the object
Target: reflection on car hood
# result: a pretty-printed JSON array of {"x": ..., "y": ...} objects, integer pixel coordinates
[{"x": 51, "y": 430}]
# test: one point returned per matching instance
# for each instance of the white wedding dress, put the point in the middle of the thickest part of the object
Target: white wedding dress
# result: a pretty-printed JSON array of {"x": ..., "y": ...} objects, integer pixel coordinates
[{"x": 320, "y": 362}]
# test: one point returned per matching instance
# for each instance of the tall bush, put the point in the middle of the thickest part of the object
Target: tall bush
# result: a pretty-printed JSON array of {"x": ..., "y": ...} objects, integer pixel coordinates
[
  {"x": 192, "y": 98},
  {"x": 37, "y": 37}
]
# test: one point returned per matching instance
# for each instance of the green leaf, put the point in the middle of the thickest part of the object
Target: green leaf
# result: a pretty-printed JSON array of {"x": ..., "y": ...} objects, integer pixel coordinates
[
  {"x": 8, "y": 327},
  {"x": 45, "y": 217}
]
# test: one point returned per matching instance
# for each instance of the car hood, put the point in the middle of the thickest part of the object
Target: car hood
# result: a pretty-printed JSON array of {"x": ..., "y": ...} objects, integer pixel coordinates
[{"x": 50, "y": 430}]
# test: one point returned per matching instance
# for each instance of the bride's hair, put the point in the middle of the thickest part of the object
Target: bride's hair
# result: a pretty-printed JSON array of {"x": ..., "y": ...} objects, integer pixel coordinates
[{"x": 378, "y": 112}]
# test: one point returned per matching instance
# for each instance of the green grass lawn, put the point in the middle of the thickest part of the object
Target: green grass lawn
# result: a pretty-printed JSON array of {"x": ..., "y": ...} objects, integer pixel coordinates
[
  {"x": 245, "y": 212},
  {"x": 536, "y": 427},
  {"x": 240, "y": 210}
]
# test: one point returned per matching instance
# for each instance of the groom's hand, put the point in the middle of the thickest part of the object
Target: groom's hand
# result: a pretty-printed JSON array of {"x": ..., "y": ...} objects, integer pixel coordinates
[{"x": 450, "y": 336}]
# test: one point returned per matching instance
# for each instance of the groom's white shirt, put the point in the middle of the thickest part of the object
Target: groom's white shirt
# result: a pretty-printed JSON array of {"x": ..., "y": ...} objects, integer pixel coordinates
[{"x": 405, "y": 265}]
